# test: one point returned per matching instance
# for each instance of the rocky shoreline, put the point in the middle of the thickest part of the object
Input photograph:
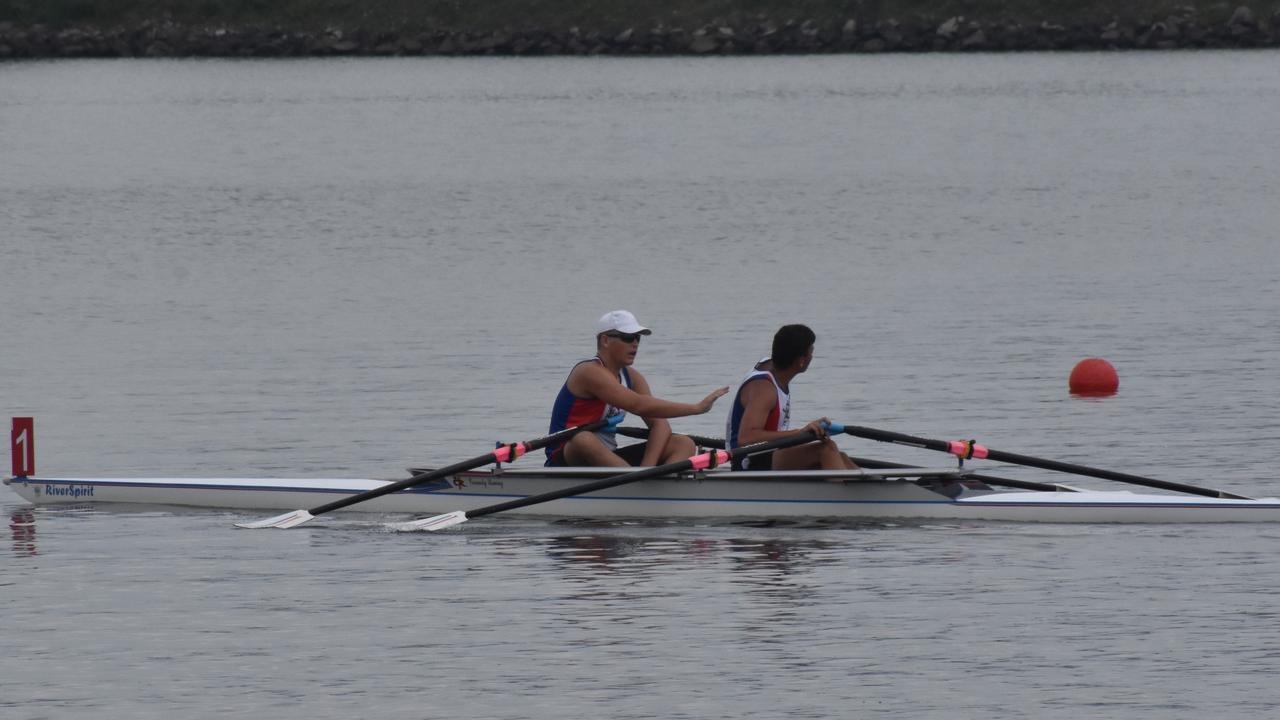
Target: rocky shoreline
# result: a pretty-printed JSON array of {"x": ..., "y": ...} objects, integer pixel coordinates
[{"x": 759, "y": 36}]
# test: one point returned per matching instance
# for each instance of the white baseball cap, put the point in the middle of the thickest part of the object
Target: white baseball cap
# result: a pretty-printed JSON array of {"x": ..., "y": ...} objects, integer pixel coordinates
[{"x": 622, "y": 321}]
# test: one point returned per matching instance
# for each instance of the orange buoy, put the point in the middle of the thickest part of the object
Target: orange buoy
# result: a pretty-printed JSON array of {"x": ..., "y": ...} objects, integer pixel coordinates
[{"x": 1093, "y": 376}]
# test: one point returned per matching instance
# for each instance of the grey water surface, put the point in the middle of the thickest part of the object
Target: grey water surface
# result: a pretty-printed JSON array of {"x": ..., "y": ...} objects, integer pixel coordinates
[{"x": 348, "y": 267}]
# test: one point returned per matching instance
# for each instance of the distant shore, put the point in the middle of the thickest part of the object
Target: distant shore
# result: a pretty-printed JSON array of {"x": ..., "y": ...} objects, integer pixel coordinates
[{"x": 183, "y": 29}]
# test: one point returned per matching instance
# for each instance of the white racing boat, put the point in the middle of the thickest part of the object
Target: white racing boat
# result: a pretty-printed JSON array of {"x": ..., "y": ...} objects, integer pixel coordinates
[
  {"x": 696, "y": 491},
  {"x": 902, "y": 493}
]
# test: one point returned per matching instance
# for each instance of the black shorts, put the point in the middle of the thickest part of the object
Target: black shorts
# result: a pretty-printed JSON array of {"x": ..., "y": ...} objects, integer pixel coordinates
[
  {"x": 763, "y": 461},
  {"x": 632, "y": 454}
]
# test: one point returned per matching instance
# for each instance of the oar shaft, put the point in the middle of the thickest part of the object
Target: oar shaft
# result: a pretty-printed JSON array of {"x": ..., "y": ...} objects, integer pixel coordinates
[
  {"x": 642, "y": 433},
  {"x": 703, "y": 441},
  {"x": 988, "y": 479},
  {"x": 502, "y": 454},
  {"x": 968, "y": 449},
  {"x": 1000, "y": 456},
  {"x": 710, "y": 442},
  {"x": 697, "y": 462}
]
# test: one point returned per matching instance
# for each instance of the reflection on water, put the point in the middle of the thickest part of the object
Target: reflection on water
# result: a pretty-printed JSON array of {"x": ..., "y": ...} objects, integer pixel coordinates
[
  {"x": 620, "y": 552},
  {"x": 765, "y": 596},
  {"x": 22, "y": 530},
  {"x": 602, "y": 553},
  {"x": 769, "y": 567}
]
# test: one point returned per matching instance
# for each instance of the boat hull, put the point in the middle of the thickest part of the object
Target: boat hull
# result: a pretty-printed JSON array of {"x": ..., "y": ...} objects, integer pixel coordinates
[{"x": 708, "y": 495}]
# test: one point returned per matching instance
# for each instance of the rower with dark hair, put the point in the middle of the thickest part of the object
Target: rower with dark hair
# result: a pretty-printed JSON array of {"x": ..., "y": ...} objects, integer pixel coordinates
[{"x": 761, "y": 410}]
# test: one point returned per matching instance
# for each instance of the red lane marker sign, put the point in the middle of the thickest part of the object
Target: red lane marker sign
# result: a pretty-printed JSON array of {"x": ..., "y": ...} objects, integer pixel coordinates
[{"x": 22, "y": 444}]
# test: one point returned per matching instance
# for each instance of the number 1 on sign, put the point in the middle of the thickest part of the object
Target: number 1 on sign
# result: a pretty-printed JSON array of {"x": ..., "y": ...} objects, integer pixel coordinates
[{"x": 23, "y": 447}]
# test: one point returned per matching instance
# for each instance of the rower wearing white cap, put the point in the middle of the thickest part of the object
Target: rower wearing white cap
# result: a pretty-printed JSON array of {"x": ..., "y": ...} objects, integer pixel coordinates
[{"x": 606, "y": 385}]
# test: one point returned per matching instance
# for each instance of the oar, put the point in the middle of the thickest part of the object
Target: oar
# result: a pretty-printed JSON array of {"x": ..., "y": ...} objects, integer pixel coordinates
[
  {"x": 988, "y": 479},
  {"x": 966, "y": 449},
  {"x": 642, "y": 433},
  {"x": 696, "y": 462},
  {"x": 710, "y": 442},
  {"x": 505, "y": 453}
]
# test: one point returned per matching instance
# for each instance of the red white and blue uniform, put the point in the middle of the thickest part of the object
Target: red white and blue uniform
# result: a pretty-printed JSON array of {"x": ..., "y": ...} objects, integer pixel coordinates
[
  {"x": 779, "y": 419},
  {"x": 572, "y": 411}
]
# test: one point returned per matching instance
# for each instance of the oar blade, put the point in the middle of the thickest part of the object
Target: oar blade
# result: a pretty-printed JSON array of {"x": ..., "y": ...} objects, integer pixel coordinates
[
  {"x": 502, "y": 454},
  {"x": 431, "y": 524},
  {"x": 284, "y": 522}
]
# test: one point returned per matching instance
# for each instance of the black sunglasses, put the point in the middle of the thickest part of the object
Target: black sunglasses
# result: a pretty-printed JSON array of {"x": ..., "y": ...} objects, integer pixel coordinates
[{"x": 625, "y": 337}]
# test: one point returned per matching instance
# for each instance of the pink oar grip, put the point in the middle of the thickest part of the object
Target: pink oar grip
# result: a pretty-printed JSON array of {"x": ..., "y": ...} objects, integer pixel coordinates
[
  {"x": 964, "y": 449},
  {"x": 703, "y": 461},
  {"x": 506, "y": 454}
]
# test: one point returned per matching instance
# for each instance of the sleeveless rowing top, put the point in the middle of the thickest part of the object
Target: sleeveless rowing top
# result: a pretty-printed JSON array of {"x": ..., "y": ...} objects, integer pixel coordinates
[
  {"x": 572, "y": 411},
  {"x": 779, "y": 417}
]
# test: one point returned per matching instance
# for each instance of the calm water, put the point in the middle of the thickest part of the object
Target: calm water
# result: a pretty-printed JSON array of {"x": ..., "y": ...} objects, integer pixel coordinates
[{"x": 350, "y": 267}]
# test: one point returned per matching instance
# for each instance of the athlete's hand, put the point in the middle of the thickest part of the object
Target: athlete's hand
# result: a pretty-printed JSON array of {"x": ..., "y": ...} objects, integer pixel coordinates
[
  {"x": 708, "y": 401},
  {"x": 817, "y": 427}
]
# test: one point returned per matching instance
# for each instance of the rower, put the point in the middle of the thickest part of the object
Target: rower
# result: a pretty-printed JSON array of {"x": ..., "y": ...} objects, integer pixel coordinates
[
  {"x": 761, "y": 410},
  {"x": 607, "y": 385}
]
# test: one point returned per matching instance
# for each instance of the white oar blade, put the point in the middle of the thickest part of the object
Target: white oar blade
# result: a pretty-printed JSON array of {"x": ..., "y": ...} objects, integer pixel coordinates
[
  {"x": 431, "y": 524},
  {"x": 285, "y": 521}
]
